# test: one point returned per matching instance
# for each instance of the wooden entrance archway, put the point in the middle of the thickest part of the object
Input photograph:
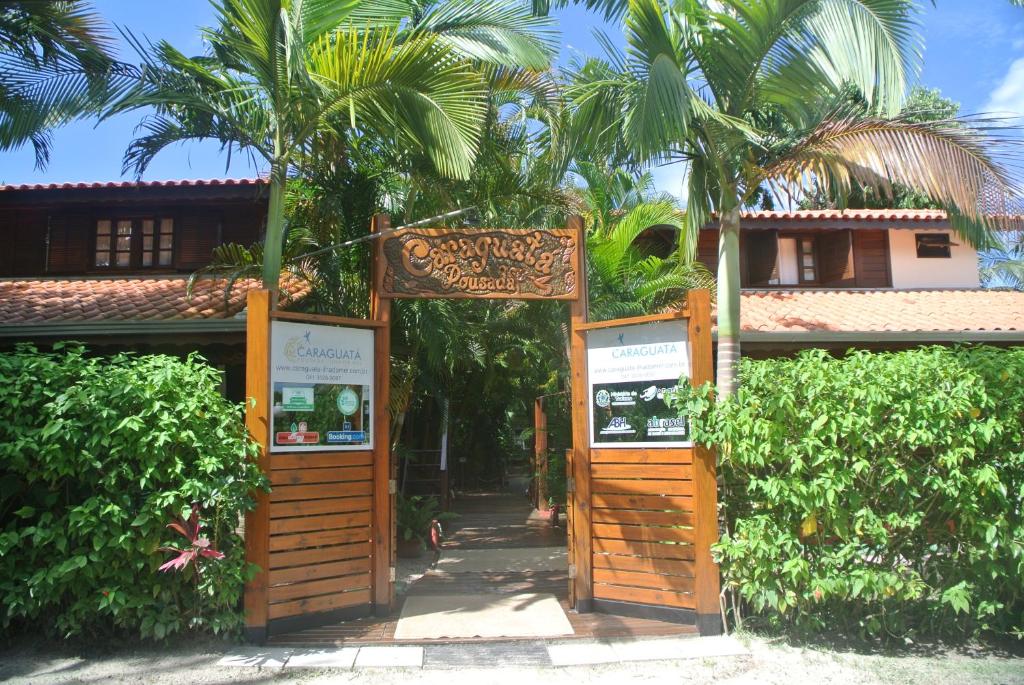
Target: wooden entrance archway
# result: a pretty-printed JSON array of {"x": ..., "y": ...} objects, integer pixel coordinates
[{"x": 324, "y": 538}]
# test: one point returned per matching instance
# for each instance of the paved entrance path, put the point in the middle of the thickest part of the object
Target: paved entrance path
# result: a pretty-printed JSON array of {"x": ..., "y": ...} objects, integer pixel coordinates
[
  {"x": 503, "y": 547},
  {"x": 499, "y": 521}
]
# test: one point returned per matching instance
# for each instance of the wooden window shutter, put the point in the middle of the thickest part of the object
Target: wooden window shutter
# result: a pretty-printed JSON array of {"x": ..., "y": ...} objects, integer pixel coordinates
[
  {"x": 707, "y": 249},
  {"x": 69, "y": 239},
  {"x": 195, "y": 236},
  {"x": 835, "y": 250},
  {"x": 871, "y": 258},
  {"x": 762, "y": 252}
]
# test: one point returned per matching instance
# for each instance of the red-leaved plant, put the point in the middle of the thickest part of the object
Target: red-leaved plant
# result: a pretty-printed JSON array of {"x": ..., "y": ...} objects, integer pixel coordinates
[{"x": 199, "y": 547}]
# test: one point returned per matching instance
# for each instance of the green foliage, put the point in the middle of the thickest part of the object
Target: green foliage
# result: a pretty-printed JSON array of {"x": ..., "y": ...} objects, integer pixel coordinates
[
  {"x": 414, "y": 515},
  {"x": 879, "y": 492},
  {"x": 96, "y": 456},
  {"x": 556, "y": 481}
]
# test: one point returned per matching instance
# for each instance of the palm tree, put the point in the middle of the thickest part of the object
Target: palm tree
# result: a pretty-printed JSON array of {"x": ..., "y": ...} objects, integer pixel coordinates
[
  {"x": 712, "y": 83},
  {"x": 1003, "y": 265},
  {"x": 629, "y": 276},
  {"x": 286, "y": 81},
  {"x": 55, "y": 66}
]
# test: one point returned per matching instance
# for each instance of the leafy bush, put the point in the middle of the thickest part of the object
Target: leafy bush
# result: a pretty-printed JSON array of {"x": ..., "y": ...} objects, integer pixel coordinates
[
  {"x": 877, "y": 492},
  {"x": 96, "y": 456}
]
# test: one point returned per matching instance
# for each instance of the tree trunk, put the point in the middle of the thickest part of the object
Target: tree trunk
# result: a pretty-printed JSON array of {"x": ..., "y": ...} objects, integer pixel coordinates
[
  {"x": 728, "y": 301},
  {"x": 274, "y": 241}
]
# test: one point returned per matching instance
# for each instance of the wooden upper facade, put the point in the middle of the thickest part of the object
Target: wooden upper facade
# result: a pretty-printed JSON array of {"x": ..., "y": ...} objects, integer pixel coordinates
[
  {"x": 122, "y": 229},
  {"x": 870, "y": 249}
]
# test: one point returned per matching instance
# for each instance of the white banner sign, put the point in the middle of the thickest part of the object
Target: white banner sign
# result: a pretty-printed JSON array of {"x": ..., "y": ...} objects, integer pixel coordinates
[
  {"x": 629, "y": 371},
  {"x": 321, "y": 380}
]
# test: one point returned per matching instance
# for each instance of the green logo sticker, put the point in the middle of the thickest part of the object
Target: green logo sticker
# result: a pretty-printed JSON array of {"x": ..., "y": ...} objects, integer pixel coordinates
[{"x": 348, "y": 402}]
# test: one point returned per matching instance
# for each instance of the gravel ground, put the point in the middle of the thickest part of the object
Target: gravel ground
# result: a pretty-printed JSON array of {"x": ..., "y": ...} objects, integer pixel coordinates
[{"x": 767, "y": 663}]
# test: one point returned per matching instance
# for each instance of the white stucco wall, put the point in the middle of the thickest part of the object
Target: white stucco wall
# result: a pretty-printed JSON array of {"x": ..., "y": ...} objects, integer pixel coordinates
[{"x": 908, "y": 271}]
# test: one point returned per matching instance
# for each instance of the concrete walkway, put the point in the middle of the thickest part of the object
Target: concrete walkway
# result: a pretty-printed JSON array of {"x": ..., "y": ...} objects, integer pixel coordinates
[{"x": 536, "y": 653}]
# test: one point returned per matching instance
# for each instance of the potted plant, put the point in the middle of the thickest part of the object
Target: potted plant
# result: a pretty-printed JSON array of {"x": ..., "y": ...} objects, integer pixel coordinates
[{"x": 414, "y": 517}]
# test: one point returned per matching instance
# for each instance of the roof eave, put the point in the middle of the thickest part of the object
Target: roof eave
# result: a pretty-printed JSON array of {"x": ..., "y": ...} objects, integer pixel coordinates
[
  {"x": 861, "y": 337},
  {"x": 71, "y": 329}
]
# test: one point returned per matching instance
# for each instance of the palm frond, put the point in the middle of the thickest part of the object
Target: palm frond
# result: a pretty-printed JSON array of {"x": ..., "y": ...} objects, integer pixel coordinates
[
  {"x": 966, "y": 164},
  {"x": 492, "y": 31},
  {"x": 417, "y": 91}
]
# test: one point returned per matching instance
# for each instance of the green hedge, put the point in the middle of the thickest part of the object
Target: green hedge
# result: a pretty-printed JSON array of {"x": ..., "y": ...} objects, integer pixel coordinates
[
  {"x": 879, "y": 492},
  {"x": 96, "y": 456}
]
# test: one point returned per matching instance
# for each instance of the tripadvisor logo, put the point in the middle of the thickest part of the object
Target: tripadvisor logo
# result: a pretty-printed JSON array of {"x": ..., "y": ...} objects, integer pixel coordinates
[{"x": 300, "y": 347}]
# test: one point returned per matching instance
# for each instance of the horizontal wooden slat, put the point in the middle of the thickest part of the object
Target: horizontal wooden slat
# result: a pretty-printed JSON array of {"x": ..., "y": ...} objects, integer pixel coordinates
[
  {"x": 647, "y": 533},
  {"x": 641, "y": 456},
  {"x": 301, "y": 574},
  {"x": 653, "y": 502},
  {"x": 644, "y": 471},
  {"x": 305, "y": 523},
  {"x": 281, "y": 593},
  {"x": 320, "y": 506},
  {"x": 635, "y": 487},
  {"x": 653, "y": 581},
  {"x": 286, "y": 493},
  {"x": 317, "y": 460},
  {"x": 332, "y": 475},
  {"x": 318, "y": 556},
  {"x": 648, "y": 518},
  {"x": 643, "y": 549},
  {"x": 644, "y": 564},
  {"x": 281, "y": 543},
  {"x": 641, "y": 596},
  {"x": 323, "y": 603}
]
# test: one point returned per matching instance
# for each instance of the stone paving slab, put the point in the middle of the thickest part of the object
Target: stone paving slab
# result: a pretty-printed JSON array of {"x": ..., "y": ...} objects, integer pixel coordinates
[
  {"x": 490, "y": 654},
  {"x": 389, "y": 657},
  {"x": 581, "y": 653},
  {"x": 533, "y": 653},
  {"x": 616, "y": 651},
  {"x": 344, "y": 657},
  {"x": 257, "y": 657}
]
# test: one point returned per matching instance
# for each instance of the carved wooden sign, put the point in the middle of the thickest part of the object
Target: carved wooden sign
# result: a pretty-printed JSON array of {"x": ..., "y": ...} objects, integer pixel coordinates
[{"x": 523, "y": 264}]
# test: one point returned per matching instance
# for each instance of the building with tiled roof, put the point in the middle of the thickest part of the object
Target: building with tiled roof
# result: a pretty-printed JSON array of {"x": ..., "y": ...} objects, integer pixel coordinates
[
  {"x": 108, "y": 263},
  {"x": 877, "y": 278}
]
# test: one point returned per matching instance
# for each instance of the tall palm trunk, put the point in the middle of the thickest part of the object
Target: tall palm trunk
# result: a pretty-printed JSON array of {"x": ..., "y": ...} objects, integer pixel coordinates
[
  {"x": 728, "y": 301},
  {"x": 273, "y": 245}
]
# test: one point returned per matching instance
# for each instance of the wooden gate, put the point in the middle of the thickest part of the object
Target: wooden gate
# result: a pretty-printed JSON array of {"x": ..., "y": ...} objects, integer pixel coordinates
[
  {"x": 641, "y": 520},
  {"x": 323, "y": 538},
  {"x": 644, "y": 518}
]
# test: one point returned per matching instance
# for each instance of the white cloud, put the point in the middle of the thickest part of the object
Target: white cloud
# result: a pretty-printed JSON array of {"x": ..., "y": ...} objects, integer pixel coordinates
[{"x": 1008, "y": 97}]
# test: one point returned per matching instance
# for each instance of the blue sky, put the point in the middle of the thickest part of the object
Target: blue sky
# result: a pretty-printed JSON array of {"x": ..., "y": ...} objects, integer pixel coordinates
[{"x": 974, "y": 54}]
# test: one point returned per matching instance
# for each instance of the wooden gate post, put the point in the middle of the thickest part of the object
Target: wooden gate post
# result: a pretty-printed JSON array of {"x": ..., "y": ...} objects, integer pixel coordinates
[
  {"x": 257, "y": 420},
  {"x": 383, "y": 491},
  {"x": 540, "y": 455},
  {"x": 579, "y": 486},
  {"x": 705, "y": 491}
]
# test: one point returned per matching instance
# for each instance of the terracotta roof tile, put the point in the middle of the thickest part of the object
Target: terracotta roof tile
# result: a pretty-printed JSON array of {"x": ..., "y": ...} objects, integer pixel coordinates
[
  {"x": 173, "y": 183},
  {"x": 922, "y": 215},
  {"x": 122, "y": 299},
  {"x": 96, "y": 300},
  {"x": 881, "y": 310}
]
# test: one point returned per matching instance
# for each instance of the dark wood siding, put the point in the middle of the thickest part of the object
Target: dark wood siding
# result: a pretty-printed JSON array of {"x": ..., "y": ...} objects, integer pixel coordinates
[
  {"x": 23, "y": 232},
  {"x": 835, "y": 250},
  {"x": 244, "y": 224},
  {"x": 761, "y": 249},
  {"x": 871, "y": 258},
  {"x": 68, "y": 249},
  {"x": 707, "y": 249}
]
